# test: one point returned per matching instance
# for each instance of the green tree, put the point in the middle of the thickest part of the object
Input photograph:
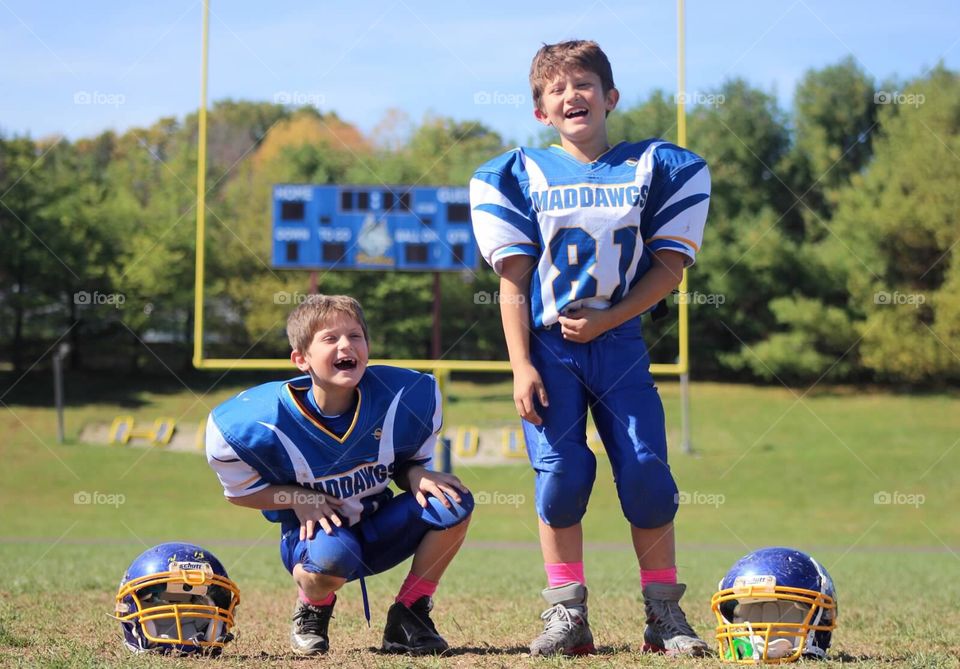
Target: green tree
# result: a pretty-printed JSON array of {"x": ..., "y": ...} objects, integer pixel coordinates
[
  {"x": 895, "y": 232},
  {"x": 54, "y": 248},
  {"x": 654, "y": 117},
  {"x": 835, "y": 118},
  {"x": 744, "y": 137},
  {"x": 747, "y": 258}
]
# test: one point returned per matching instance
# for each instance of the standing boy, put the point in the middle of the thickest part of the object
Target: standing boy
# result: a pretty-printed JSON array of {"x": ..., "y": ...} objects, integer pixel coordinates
[
  {"x": 316, "y": 455},
  {"x": 586, "y": 238}
]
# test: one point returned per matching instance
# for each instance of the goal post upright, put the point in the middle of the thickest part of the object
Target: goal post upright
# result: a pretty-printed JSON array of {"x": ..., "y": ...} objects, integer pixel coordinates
[
  {"x": 683, "y": 308},
  {"x": 199, "y": 277}
]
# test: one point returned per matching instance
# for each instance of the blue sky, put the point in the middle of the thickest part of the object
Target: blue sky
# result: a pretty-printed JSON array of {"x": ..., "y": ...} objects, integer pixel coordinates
[{"x": 79, "y": 68}]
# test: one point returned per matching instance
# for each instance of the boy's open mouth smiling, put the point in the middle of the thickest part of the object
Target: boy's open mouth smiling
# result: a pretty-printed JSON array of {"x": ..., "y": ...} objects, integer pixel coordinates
[{"x": 346, "y": 363}]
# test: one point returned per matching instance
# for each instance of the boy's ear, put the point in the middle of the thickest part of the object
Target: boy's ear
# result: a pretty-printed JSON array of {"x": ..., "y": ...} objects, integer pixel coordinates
[
  {"x": 613, "y": 97},
  {"x": 299, "y": 361},
  {"x": 541, "y": 116}
]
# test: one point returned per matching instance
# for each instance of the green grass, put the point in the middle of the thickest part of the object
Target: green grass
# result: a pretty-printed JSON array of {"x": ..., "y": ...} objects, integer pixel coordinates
[{"x": 768, "y": 470}]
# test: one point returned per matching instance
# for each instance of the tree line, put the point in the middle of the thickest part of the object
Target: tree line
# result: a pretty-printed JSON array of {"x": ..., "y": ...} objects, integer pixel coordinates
[{"x": 830, "y": 252}]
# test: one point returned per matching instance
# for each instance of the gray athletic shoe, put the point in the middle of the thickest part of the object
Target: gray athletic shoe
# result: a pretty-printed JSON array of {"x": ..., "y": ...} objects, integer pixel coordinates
[
  {"x": 309, "y": 635},
  {"x": 667, "y": 628},
  {"x": 566, "y": 630}
]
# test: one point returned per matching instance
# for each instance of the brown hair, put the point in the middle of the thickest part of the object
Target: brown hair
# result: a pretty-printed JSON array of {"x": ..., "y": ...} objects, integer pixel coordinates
[
  {"x": 552, "y": 58},
  {"x": 315, "y": 312}
]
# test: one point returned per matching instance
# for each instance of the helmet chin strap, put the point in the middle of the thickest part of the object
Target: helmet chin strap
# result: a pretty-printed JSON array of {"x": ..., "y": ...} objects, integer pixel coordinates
[
  {"x": 809, "y": 643},
  {"x": 753, "y": 641}
]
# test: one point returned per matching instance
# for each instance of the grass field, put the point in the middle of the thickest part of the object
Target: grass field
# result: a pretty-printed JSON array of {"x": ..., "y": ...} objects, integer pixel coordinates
[{"x": 770, "y": 469}]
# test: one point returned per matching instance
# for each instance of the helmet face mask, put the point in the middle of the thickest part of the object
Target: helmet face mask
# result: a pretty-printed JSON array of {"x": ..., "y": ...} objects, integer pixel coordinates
[
  {"x": 176, "y": 598},
  {"x": 775, "y": 605}
]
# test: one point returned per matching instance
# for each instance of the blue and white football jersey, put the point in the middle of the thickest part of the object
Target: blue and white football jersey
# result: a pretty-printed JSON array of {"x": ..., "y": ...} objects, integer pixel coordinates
[
  {"x": 268, "y": 435},
  {"x": 592, "y": 226}
]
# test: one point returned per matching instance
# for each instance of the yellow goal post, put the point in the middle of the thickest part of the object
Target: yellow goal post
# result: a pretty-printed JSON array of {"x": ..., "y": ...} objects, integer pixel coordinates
[{"x": 440, "y": 368}]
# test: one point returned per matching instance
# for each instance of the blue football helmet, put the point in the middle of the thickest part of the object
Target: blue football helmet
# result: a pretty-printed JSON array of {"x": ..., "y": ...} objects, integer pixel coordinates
[
  {"x": 775, "y": 605},
  {"x": 176, "y": 598}
]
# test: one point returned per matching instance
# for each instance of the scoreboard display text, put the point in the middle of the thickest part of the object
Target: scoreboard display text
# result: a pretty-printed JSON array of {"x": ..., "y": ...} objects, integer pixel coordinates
[{"x": 372, "y": 227}]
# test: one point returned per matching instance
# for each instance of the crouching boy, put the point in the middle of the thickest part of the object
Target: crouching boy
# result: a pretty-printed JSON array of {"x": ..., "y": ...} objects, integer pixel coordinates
[{"x": 316, "y": 454}]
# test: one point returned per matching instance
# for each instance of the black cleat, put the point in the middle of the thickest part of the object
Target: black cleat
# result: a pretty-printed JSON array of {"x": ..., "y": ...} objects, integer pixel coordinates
[
  {"x": 410, "y": 630},
  {"x": 310, "y": 623}
]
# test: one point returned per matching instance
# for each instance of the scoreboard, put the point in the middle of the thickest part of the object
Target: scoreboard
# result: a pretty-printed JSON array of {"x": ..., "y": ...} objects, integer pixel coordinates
[{"x": 373, "y": 227}]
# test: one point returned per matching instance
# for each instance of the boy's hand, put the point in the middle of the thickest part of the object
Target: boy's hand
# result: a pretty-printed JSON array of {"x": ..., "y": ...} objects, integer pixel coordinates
[
  {"x": 584, "y": 325},
  {"x": 423, "y": 482},
  {"x": 527, "y": 384},
  {"x": 317, "y": 510}
]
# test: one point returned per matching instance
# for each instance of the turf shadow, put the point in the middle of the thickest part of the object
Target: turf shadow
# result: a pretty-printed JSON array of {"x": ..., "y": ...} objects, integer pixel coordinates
[
  {"x": 510, "y": 650},
  {"x": 466, "y": 650},
  {"x": 849, "y": 658}
]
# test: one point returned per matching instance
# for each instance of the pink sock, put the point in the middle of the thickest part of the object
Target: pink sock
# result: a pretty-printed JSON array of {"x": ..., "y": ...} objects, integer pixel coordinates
[
  {"x": 414, "y": 588},
  {"x": 648, "y": 576},
  {"x": 326, "y": 601},
  {"x": 560, "y": 573}
]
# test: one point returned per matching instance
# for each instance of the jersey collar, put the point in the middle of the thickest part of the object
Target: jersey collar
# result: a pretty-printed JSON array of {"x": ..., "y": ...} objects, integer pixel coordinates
[
  {"x": 566, "y": 154},
  {"x": 302, "y": 411}
]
